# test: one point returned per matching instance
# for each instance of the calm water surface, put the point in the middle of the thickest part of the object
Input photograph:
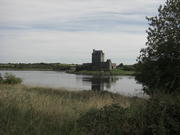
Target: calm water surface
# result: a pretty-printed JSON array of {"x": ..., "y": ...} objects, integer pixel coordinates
[{"x": 125, "y": 85}]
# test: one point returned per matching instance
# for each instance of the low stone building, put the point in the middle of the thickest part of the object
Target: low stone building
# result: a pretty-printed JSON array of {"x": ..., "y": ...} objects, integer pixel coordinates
[{"x": 98, "y": 62}]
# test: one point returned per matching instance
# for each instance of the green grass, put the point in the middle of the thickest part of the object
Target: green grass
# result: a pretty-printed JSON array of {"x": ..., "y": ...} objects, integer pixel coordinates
[
  {"x": 9, "y": 78},
  {"x": 121, "y": 72},
  {"x": 112, "y": 72},
  {"x": 37, "y": 66},
  {"x": 45, "y": 111}
]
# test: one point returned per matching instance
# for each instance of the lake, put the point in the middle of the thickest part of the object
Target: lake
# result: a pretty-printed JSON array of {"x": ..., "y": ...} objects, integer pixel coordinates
[{"x": 125, "y": 85}]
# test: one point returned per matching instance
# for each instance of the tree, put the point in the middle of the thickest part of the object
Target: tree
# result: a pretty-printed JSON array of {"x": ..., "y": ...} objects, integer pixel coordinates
[
  {"x": 1, "y": 78},
  {"x": 159, "y": 63}
]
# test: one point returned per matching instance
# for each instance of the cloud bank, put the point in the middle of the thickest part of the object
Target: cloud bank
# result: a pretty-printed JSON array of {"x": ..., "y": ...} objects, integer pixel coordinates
[{"x": 67, "y": 30}]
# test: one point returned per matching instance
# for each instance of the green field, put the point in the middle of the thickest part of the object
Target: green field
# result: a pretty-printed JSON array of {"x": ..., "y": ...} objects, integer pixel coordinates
[
  {"x": 112, "y": 72},
  {"x": 37, "y": 66},
  {"x": 69, "y": 68}
]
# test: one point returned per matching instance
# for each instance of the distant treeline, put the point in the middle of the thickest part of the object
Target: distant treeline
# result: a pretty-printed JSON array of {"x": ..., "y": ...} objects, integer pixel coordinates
[
  {"x": 37, "y": 66},
  {"x": 53, "y": 66},
  {"x": 126, "y": 67}
]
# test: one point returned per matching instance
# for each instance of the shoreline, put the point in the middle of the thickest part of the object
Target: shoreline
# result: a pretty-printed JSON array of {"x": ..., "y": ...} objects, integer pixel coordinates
[
  {"x": 116, "y": 72},
  {"x": 29, "y": 69}
]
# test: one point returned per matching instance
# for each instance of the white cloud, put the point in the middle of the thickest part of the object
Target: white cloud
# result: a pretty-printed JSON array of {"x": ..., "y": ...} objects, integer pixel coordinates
[
  {"x": 41, "y": 30},
  {"x": 68, "y": 47},
  {"x": 33, "y": 11}
]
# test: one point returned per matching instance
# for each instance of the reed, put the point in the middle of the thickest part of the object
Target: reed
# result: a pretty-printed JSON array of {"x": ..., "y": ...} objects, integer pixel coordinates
[{"x": 36, "y": 110}]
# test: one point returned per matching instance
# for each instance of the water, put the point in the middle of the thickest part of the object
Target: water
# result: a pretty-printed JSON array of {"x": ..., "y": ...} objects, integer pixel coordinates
[{"x": 125, "y": 85}]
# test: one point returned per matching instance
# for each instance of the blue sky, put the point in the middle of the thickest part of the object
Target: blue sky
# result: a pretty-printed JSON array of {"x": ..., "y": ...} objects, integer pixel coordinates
[{"x": 66, "y": 31}]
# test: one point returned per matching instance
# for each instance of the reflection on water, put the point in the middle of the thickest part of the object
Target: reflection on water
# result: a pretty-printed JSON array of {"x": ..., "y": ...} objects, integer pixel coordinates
[
  {"x": 101, "y": 82},
  {"x": 125, "y": 85}
]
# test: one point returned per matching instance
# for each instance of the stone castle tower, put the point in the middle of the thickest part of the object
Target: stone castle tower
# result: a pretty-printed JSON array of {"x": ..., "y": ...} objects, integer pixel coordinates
[
  {"x": 98, "y": 62},
  {"x": 97, "y": 56}
]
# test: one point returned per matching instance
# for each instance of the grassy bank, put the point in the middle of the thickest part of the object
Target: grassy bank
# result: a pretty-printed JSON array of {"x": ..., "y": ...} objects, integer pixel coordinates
[
  {"x": 37, "y": 111},
  {"x": 112, "y": 72},
  {"x": 45, "y": 111},
  {"x": 37, "y": 66},
  {"x": 69, "y": 68}
]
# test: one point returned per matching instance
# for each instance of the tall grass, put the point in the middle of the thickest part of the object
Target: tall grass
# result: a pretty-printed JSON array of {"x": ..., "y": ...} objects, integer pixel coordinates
[
  {"x": 160, "y": 115},
  {"x": 45, "y": 111},
  {"x": 36, "y": 111}
]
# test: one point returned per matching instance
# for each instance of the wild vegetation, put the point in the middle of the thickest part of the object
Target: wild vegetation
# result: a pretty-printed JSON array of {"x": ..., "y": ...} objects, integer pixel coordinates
[
  {"x": 37, "y": 66},
  {"x": 35, "y": 111},
  {"x": 159, "y": 63},
  {"x": 69, "y": 68},
  {"x": 117, "y": 71},
  {"x": 158, "y": 115},
  {"x": 9, "y": 78}
]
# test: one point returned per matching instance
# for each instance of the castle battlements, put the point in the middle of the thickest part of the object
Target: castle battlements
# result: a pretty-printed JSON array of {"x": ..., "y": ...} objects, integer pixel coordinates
[{"x": 98, "y": 62}]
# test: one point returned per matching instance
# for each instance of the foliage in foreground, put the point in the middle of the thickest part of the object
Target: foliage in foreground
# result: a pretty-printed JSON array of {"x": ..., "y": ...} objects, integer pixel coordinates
[
  {"x": 10, "y": 79},
  {"x": 159, "y": 62},
  {"x": 45, "y": 111},
  {"x": 155, "y": 117},
  {"x": 37, "y": 111}
]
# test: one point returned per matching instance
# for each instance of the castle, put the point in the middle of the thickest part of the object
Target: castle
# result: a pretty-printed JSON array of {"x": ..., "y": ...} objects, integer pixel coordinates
[{"x": 98, "y": 62}]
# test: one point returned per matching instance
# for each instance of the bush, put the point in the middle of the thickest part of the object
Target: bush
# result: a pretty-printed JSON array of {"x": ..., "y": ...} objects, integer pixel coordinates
[
  {"x": 154, "y": 117},
  {"x": 1, "y": 78},
  {"x": 105, "y": 121},
  {"x": 162, "y": 116},
  {"x": 10, "y": 79}
]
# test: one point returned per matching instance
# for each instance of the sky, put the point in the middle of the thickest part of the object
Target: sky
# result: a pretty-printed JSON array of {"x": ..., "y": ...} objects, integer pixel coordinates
[{"x": 66, "y": 31}]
